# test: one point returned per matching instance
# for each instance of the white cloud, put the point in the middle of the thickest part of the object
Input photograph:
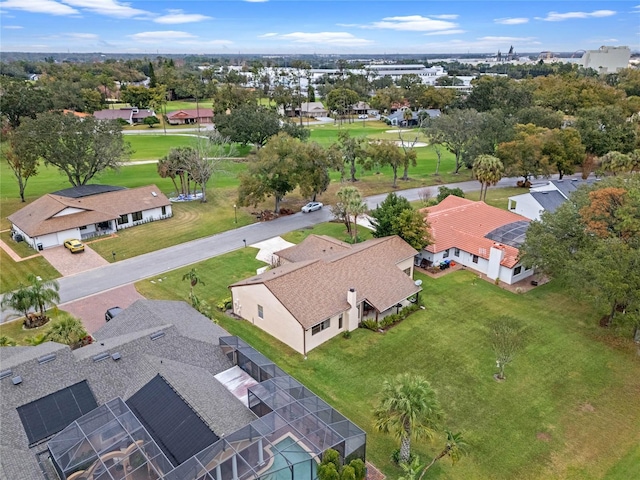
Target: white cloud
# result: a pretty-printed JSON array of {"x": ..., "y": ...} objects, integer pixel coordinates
[
  {"x": 348, "y": 24},
  {"x": 446, "y": 32},
  {"x": 559, "y": 17},
  {"x": 445, "y": 17},
  {"x": 326, "y": 38},
  {"x": 39, "y": 6},
  {"x": 267, "y": 35},
  {"x": 178, "y": 16},
  {"x": 109, "y": 8},
  {"x": 12, "y": 27},
  {"x": 413, "y": 23},
  {"x": 82, "y": 36},
  {"x": 511, "y": 21},
  {"x": 166, "y": 35}
]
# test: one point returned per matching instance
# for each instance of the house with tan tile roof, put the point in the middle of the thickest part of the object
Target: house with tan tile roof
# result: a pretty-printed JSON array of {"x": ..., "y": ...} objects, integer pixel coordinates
[
  {"x": 478, "y": 236},
  {"x": 324, "y": 287},
  {"x": 87, "y": 211},
  {"x": 190, "y": 116}
]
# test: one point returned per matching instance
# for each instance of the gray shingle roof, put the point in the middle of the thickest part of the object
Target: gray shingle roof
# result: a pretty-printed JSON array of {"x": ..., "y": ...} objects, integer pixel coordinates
[
  {"x": 187, "y": 356},
  {"x": 549, "y": 200},
  {"x": 567, "y": 186}
]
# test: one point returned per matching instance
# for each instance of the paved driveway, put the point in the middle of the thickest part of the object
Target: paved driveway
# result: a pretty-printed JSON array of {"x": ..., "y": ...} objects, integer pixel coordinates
[
  {"x": 68, "y": 263},
  {"x": 91, "y": 309}
]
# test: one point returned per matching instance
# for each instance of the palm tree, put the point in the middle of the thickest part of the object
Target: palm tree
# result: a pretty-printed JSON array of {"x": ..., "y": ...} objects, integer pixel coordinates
[
  {"x": 20, "y": 301},
  {"x": 408, "y": 409},
  {"x": 407, "y": 116},
  {"x": 194, "y": 278},
  {"x": 42, "y": 292},
  {"x": 7, "y": 341},
  {"x": 488, "y": 170},
  {"x": 37, "y": 339},
  {"x": 68, "y": 330},
  {"x": 356, "y": 208},
  {"x": 454, "y": 448}
]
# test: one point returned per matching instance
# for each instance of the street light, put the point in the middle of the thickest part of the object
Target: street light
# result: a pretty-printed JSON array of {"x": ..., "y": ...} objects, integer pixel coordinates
[{"x": 235, "y": 213}]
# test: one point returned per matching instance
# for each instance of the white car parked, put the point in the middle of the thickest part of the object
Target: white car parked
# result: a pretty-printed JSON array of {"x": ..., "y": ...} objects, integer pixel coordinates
[{"x": 311, "y": 206}]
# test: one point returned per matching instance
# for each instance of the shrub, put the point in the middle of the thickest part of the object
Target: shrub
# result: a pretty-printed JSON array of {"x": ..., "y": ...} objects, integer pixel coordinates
[
  {"x": 395, "y": 457},
  {"x": 224, "y": 304},
  {"x": 346, "y": 334},
  {"x": 359, "y": 468},
  {"x": 444, "y": 192},
  {"x": 370, "y": 324}
]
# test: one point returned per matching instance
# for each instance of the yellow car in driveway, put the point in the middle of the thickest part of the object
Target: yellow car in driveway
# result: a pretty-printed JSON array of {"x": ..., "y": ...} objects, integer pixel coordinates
[{"x": 74, "y": 245}]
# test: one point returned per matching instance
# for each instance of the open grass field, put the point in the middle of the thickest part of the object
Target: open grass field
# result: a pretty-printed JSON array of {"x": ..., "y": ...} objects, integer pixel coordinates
[
  {"x": 568, "y": 408},
  {"x": 187, "y": 105},
  {"x": 154, "y": 147}
]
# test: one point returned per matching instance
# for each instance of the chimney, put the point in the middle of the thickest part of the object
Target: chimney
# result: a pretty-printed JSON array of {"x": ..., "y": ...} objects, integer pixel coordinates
[
  {"x": 495, "y": 257},
  {"x": 353, "y": 317}
]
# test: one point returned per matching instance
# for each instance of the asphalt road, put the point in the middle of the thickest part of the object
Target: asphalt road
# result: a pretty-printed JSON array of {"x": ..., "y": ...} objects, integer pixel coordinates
[{"x": 151, "y": 264}]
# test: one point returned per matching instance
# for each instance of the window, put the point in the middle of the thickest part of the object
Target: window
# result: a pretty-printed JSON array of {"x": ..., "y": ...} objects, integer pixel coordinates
[
  {"x": 517, "y": 270},
  {"x": 446, "y": 253},
  {"x": 475, "y": 259},
  {"x": 164, "y": 210},
  {"x": 260, "y": 311},
  {"x": 83, "y": 228},
  {"x": 512, "y": 205},
  {"x": 321, "y": 326},
  {"x": 136, "y": 216},
  {"x": 456, "y": 252},
  {"x": 123, "y": 219},
  {"x": 340, "y": 321}
]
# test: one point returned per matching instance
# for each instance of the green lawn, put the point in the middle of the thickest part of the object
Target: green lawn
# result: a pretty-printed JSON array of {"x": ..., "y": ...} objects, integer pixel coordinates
[
  {"x": 17, "y": 332},
  {"x": 15, "y": 273},
  {"x": 187, "y": 105},
  {"x": 567, "y": 410},
  {"x": 154, "y": 147}
]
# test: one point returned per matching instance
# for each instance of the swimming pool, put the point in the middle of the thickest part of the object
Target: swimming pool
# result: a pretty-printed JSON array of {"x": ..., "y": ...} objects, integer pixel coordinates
[{"x": 288, "y": 455}]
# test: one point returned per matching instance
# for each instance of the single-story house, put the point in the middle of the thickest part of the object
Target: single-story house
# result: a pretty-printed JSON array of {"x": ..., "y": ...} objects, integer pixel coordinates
[
  {"x": 324, "y": 287},
  {"x": 131, "y": 115},
  {"x": 398, "y": 119},
  {"x": 162, "y": 393},
  {"x": 87, "y": 211},
  {"x": 546, "y": 197},
  {"x": 480, "y": 237},
  {"x": 190, "y": 116},
  {"x": 360, "y": 108},
  {"x": 312, "y": 110}
]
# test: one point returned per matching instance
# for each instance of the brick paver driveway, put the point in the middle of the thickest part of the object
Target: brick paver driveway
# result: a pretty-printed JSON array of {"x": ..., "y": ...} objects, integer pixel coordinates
[
  {"x": 91, "y": 309},
  {"x": 68, "y": 263}
]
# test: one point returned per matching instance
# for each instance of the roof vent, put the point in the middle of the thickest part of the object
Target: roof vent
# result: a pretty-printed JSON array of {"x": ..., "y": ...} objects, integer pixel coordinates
[
  {"x": 5, "y": 374},
  {"x": 46, "y": 358},
  {"x": 17, "y": 380},
  {"x": 100, "y": 357},
  {"x": 157, "y": 335},
  {"x": 154, "y": 194},
  {"x": 116, "y": 356}
]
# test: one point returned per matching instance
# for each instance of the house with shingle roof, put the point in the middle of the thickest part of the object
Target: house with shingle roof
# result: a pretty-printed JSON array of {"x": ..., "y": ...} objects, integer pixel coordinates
[
  {"x": 190, "y": 116},
  {"x": 131, "y": 115},
  {"x": 480, "y": 237},
  {"x": 312, "y": 110},
  {"x": 86, "y": 211},
  {"x": 163, "y": 393},
  {"x": 324, "y": 287},
  {"x": 546, "y": 198}
]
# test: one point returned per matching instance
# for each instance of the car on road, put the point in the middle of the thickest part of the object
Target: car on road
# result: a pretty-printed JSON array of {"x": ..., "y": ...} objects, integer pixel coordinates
[
  {"x": 112, "y": 312},
  {"x": 363, "y": 116},
  {"x": 311, "y": 206},
  {"x": 74, "y": 245}
]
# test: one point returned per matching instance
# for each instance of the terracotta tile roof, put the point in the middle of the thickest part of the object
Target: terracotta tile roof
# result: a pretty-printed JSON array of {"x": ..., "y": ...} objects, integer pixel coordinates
[
  {"x": 460, "y": 223},
  {"x": 77, "y": 114},
  {"x": 316, "y": 289},
  {"x": 191, "y": 113},
  {"x": 38, "y": 218}
]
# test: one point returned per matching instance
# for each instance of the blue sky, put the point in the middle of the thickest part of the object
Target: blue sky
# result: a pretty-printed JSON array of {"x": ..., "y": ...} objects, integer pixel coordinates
[{"x": 316, "y": 26}]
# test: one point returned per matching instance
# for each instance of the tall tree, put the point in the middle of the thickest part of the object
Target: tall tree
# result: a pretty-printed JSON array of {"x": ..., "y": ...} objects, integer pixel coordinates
[
  {"x": 564, "y": 149},
  {"x": 340, "y": 101},
  {"x": 22, "y": 160},
  {"x": 523, "y": 156},
  {"x": 314, "y": 163},
  {"x": 408, "y": 409},
  {"x": 454, "y": 448},
  {"x": 79, "y": 147},
  {"x": 488, "y": 170},
  {"x": 249, "y": 125},
  {"x": 352, "y": 150},
  {"x": 272, "y": 174},
  {"x": 386, "y": 152},
  {"x": 20, "y": 99},
  {"x": 42, "y": 292},
  {"x": 349, "y": 199},
  {"x": 605, "y": 129},
  {"x": 19, "y": 300},
  {"x": 456, "y": 130}
]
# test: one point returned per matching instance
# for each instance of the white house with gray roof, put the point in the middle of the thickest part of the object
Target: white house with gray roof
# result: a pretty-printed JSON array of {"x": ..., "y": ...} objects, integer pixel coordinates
[{"x": 546, "y": 198}]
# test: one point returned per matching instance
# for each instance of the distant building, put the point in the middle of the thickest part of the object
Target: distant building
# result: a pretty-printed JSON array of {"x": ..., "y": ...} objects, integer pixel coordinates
[
  {"x": 607, "y": 59},
  {"x": 131, "y": 115}
]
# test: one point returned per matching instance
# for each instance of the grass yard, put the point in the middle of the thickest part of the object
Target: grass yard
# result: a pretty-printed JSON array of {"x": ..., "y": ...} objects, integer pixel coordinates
[
  {"x": 17, "y": 332},
  {"x": 332, "y": 229},
  {"x": 188, "y": 105},
  {"x": 154, "y": 147},
  {"x": 567, "y": 410},
  {"x": 15, "y": 273}
]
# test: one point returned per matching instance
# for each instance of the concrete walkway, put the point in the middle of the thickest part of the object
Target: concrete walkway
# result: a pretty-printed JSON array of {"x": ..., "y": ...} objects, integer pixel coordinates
[{"x": 14, "y": 256}]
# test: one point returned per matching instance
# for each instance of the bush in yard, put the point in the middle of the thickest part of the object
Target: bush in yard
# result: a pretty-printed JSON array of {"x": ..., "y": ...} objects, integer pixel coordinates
[
  {"x": 370, "y": 324},
  {"x": 444, "y": 192}
]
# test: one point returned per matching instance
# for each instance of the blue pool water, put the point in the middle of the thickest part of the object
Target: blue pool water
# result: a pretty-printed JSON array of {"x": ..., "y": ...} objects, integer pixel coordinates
[{"x": 303, "y": 464}]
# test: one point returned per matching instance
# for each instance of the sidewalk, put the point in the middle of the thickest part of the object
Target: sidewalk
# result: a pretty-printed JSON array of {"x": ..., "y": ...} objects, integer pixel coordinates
[{"x": 14, "y": 256}]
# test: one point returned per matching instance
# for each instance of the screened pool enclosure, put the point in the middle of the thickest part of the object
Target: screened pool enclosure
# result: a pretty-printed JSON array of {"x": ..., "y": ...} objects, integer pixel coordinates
[{"x": 287, "y": 441}]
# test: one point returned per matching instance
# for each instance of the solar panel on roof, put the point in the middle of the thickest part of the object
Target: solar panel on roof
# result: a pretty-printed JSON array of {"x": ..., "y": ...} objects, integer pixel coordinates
[
  {"x": 48, "y": 415},
  {"x": 87, "y": 190},
  {"x": 172, "y": 423}
]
